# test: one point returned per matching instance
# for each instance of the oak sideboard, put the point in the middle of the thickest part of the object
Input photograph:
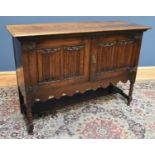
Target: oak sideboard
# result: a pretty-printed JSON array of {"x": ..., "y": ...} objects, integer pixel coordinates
[{"x": 58, "y": 59}]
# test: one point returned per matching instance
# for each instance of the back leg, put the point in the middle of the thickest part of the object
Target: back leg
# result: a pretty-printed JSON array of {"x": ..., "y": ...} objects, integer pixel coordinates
[{"x": 130, "y": 92}]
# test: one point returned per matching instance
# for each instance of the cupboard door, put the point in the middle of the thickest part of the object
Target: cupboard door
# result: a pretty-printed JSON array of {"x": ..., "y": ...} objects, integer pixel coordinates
[
  {"x": 111, "y": 55},
  {"x": 55, "y": 60}
]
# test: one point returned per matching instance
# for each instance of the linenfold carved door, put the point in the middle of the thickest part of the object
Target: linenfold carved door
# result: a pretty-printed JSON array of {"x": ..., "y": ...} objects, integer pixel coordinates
[
  {"x": 57, "y": 60},
  {"x": 113, "y": 54}
]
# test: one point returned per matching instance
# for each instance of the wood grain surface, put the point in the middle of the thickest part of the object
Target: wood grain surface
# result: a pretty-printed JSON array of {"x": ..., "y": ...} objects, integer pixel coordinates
[{"x": 70, "y": 28}]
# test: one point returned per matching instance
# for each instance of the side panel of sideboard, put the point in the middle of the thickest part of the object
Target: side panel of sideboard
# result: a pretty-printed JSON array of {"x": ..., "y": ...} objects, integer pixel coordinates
[
  {"x": 18, "y": 63},
  {"x": 18, "y": 55}
]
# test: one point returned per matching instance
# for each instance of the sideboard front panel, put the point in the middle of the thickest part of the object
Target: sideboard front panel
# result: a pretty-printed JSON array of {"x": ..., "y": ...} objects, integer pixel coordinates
[{"x": 53, "y": 64}]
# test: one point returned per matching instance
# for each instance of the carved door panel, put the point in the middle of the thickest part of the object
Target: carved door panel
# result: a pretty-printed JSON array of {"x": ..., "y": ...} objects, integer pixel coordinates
[
  {"x": 111, "y": 55},
  {"x": 53, "y": 61}
]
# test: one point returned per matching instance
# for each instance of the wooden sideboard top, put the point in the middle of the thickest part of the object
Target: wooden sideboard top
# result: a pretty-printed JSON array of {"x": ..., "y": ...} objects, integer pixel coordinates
[{"x": 28, "y": 30}]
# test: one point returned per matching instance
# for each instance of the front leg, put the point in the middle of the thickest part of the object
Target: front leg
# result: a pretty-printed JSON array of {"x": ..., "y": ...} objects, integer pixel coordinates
[{"x": 29, "y": 118}]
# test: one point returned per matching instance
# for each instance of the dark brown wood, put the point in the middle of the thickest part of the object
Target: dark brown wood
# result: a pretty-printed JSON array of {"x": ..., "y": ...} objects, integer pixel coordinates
[
  {"x": 115, "y": 89},
  {"x": 130, "y": 92},
  {"x": 55, "y": 60}
]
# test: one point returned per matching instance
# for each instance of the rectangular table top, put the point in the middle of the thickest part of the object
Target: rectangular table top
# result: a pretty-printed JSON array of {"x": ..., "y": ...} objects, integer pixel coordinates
[{"x": 28, "y": 30}]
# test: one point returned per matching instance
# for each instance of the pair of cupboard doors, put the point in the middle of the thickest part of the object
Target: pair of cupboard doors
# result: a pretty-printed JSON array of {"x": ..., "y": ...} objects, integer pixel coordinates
[{"x": 54, "y": 66}]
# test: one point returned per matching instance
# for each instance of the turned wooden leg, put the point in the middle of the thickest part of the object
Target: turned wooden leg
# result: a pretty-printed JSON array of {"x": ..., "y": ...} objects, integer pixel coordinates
[
  {"x": 29, "y": 119},
  {"x": 21, "y": 101},
  {"x": 130, "y": 92}
]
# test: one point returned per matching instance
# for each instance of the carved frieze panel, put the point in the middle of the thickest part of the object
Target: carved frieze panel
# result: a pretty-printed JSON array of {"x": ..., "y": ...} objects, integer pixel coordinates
[
  {"x": 49, "y": 50},
  {"x": 112, "y": 43},
  {"x": 73, "y": 48}
]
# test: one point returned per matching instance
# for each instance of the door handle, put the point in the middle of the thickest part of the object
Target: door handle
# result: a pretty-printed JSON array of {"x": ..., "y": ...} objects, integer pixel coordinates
[{"x": 93, "y": 59}]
